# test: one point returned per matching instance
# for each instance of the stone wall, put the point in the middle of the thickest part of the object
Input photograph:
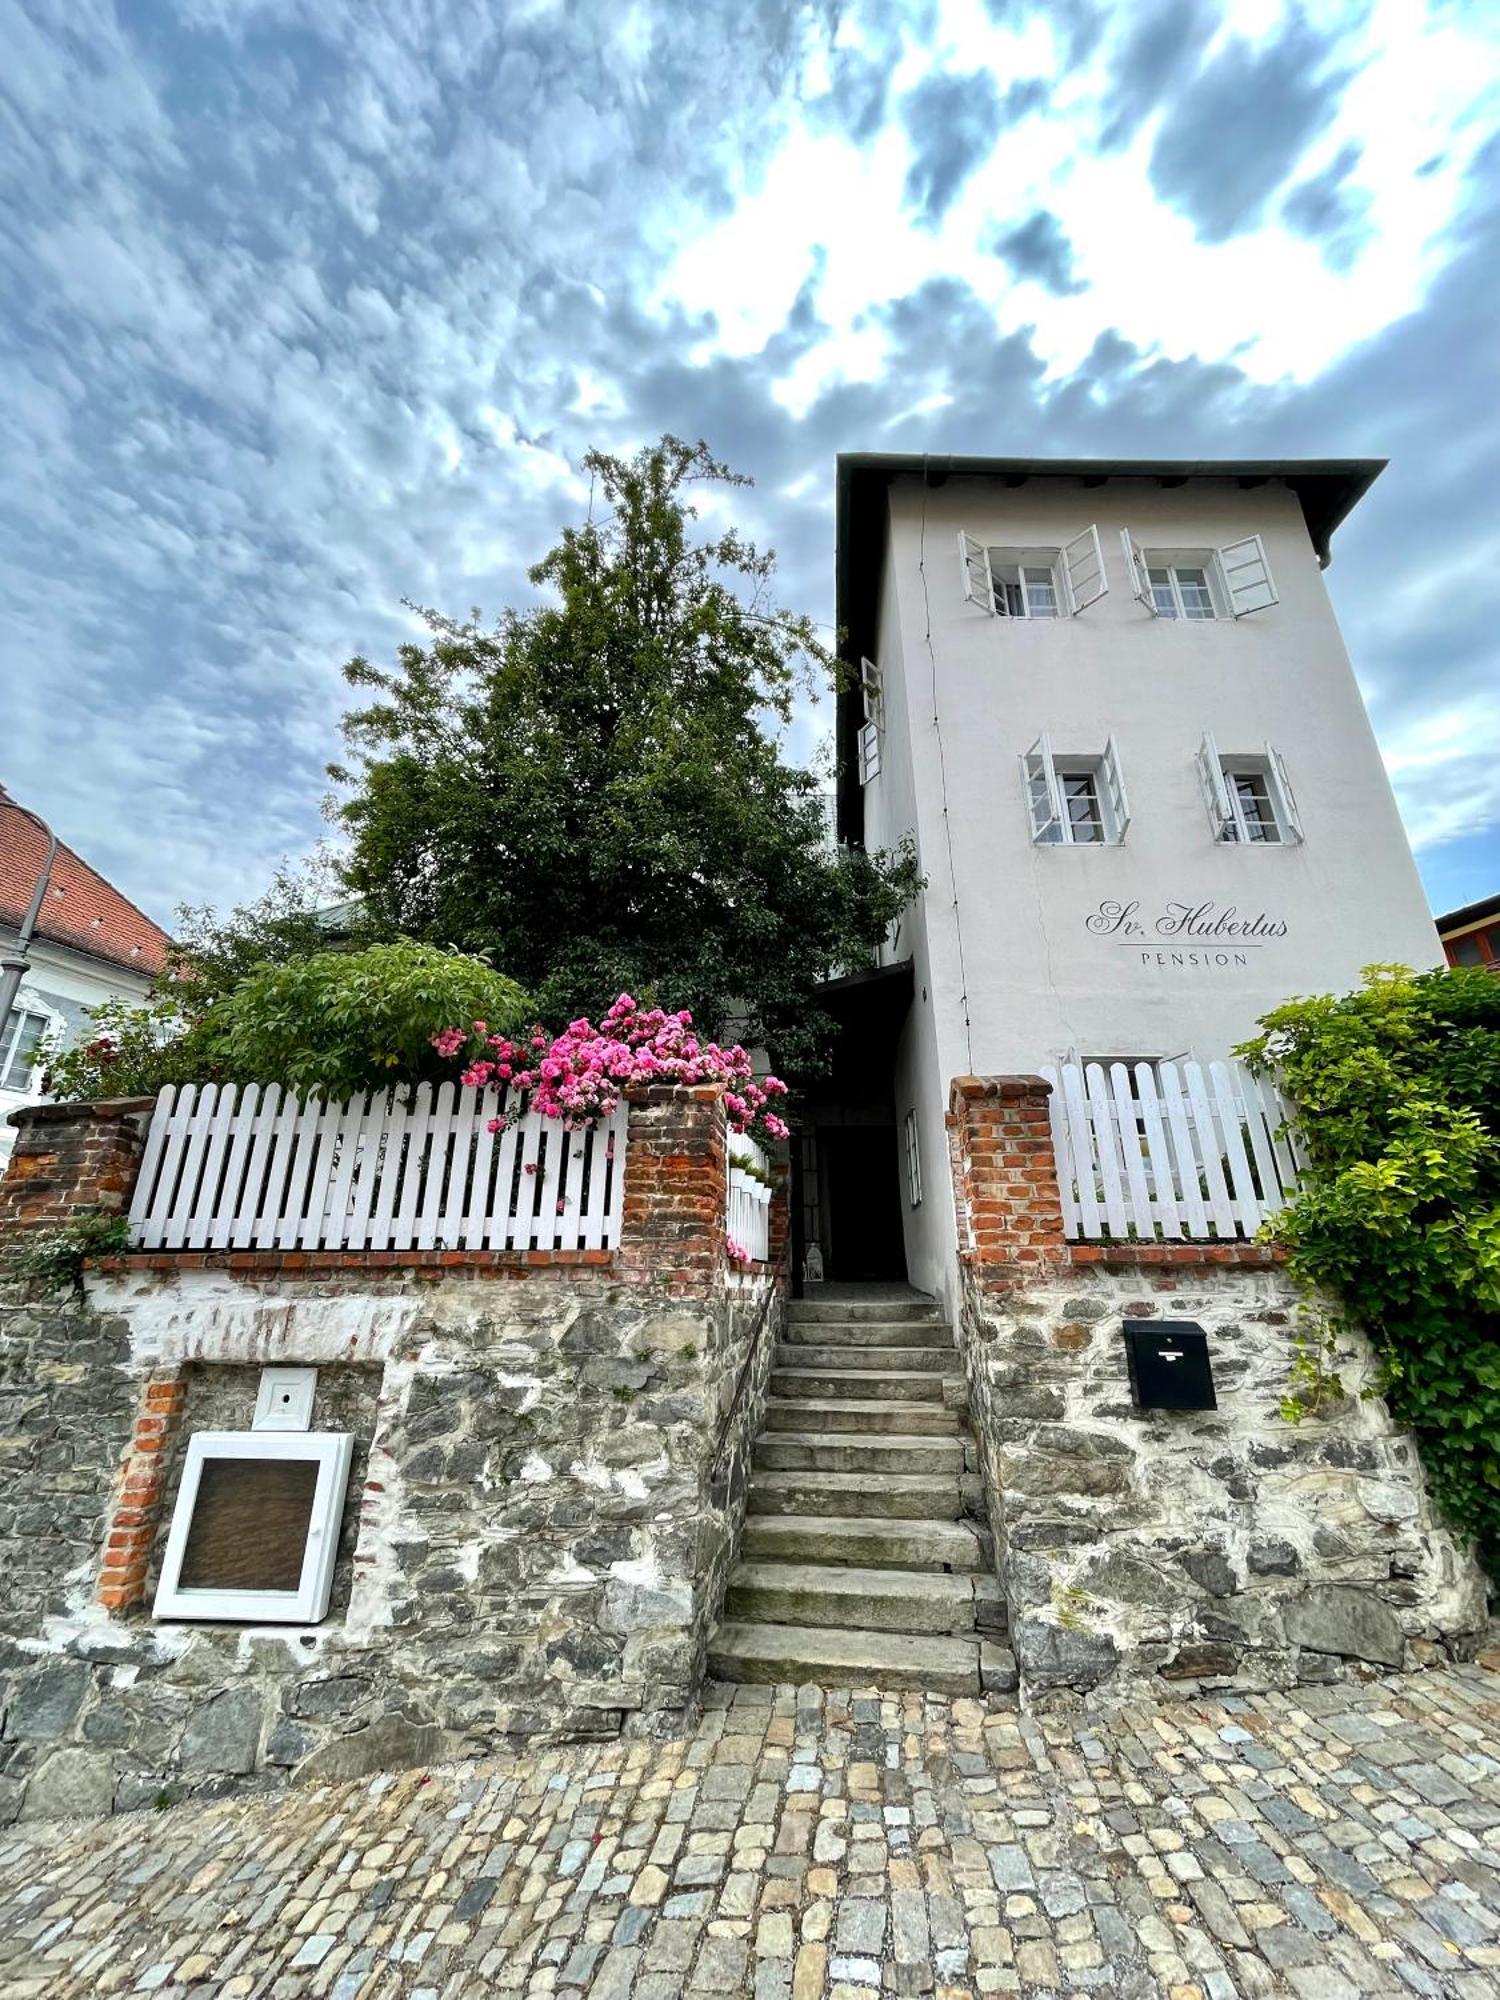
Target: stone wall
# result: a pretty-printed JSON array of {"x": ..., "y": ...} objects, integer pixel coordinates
[
  {"x": 1223, "y": 1547},
  {"x": 548, "y": 1481}
]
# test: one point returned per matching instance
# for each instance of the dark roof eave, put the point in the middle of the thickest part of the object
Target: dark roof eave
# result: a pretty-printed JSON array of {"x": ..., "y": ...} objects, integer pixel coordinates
[{"x": 1471, "y": 913}]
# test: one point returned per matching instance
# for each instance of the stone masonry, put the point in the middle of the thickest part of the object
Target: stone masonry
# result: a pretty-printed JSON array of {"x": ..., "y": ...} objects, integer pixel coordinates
[
  {"x": 1220, "y": 1548},
  {"x": 551, "y": 1460}
]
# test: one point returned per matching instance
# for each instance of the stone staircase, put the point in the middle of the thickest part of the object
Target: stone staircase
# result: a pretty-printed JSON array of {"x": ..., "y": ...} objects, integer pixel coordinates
[{"x": 866, "y": 1559}]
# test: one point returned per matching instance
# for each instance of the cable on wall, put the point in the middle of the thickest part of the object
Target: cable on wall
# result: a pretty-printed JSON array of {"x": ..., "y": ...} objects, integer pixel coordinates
[{"x": 937, "y": 729}]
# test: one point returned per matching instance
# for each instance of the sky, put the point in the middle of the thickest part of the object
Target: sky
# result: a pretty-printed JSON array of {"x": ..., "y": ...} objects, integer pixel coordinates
[{"x": 308, "y": 307}]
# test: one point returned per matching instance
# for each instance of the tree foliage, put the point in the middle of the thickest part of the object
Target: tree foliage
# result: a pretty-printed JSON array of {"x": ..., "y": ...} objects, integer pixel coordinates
[
  {"x": 590, "y": 791},
  {"x": 1397, "y": 1094},
  {"x": 337, "y": 1023},
  {"x": 303, "y": 910}
]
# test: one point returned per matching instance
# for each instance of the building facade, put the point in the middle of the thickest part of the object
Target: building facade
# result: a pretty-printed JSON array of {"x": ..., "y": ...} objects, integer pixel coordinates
[
  {"x": 91, "y": 945},
  {"x": 1471, "y": 936},
  {"x": 1110, "y": 705}
]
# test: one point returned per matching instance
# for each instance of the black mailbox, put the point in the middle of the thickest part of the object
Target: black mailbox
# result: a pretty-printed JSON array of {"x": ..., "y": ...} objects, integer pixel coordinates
[{"x": 1168, "y": 1360}]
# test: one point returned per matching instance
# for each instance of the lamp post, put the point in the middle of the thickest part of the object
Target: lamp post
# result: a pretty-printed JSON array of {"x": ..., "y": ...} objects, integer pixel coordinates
[{"x": 14, "y": 961}]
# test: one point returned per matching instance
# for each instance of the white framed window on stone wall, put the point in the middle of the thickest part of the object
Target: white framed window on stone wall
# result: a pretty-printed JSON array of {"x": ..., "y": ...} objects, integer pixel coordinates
[
  {"x": 1074, "y": 801},
  {"x": 1033, "y": 583},
  {"x": 872, "y": 724},
  {"x": 1203, "y": 583},
  {"x": 1249, "y": 798},
  {"x": 255, "y": 1528},
  {"x": 913, "y": 1161},
  {"x": 20, "y": 1045}
]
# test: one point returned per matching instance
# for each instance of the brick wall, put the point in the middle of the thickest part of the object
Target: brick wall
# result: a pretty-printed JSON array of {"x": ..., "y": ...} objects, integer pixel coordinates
[
  {"x": 1005, "y": 1176},
  {"x": 70, "y": 1159}
]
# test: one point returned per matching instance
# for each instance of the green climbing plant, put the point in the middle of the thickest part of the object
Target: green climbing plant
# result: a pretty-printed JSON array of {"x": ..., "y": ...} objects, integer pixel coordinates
[{"x": 1397, "y": 1095}]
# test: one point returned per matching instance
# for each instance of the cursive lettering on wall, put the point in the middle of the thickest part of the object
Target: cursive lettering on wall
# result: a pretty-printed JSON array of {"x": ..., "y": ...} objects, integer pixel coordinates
[{"x": 1206, "y": 922}]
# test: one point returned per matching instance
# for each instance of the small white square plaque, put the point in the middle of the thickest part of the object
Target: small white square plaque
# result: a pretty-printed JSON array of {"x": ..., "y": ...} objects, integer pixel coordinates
[{"x": 285, "y": 1399}]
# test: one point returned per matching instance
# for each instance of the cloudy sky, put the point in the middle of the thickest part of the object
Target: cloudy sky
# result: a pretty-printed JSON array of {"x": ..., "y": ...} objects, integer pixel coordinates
[{"x": 307, "y": 306}]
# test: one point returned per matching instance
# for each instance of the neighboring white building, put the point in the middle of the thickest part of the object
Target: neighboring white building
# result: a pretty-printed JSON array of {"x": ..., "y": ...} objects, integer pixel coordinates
[
  {"x": 1110, "y": 703},
  {"x": 91, "y": 945}
]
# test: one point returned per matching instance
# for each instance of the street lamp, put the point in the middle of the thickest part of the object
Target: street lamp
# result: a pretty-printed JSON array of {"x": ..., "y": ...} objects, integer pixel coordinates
[{"x": 14, "y": 961}]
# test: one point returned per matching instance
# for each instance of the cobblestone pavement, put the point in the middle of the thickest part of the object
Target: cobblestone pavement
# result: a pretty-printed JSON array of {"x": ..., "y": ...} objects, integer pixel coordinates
[{"x": 1331, "y": 1843}]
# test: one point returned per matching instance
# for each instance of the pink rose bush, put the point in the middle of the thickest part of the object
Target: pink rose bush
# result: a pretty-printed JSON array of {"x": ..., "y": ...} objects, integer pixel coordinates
[
  {"x": 578, "y": 1076},
  {"x": 736, "y": 1254}
]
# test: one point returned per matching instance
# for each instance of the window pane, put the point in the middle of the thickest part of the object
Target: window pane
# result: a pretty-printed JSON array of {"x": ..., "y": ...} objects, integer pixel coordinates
[
  {"x": 1255, "y": 805},
  {"x": 250, "y": 1523},
  {"x": 1192, "y": 585},
  {"x": 1161, "y": 593},
  {"x": 1041, "y": 593},
  {"x": 1008, "y": 597},
  {"x": 1465, "y": 951},
  {"x": 1081, "y": 802},
  {"x": 18, "y": 1049}
]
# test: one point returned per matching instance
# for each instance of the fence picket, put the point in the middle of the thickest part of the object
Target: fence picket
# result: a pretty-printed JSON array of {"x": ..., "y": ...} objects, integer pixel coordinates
[
  {"x": 1106, "y": 1150},
  {"x": 275, "y": 1198},
  {"x": 1057, "y": 1113},
  {"x": 1165, "y": 1212},
  {"x": 1220, "y": 1206},
  {"x": 1183, "y": 1169},
  {"x": 1081, "y": 1150},
  {"x": 465, "y": 1124},
  {"x": 195, "y": 1141},
  {"x": 242, "y": 1130},
  {"x": 1130, "y": 1148},
  {"x": 351, "y": 1125},
  {"x": 1234, "y": 1148},
  {"x": 499, "y": 1227},
  {"x": 1260, "y": 1143}
]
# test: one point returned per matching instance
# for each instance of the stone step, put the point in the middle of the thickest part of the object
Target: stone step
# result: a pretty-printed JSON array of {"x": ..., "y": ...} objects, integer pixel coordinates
[
  {"x": 841, "y": 1385},
  {"x": 814, "y": 1451},
  {"x": 895, "y": 1496},
  {"x": 872, "y": 1600},
  {"x": 805, "y": 1310},
  {"x": 863, "y": 1418},
  {"x": 837, "y": 1657},
  {"x": 958, "y": 1546},
  {"x": 897, "y": 1360},
  {"x": 869, "y": 1333}
]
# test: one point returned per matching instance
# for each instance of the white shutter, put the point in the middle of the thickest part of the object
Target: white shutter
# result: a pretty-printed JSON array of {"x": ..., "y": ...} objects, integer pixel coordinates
[
  {"x": 1114, "y": 784},
  {"x": 1286, "y": 805},
  {"x": 1043, "y": 799},
  {"x": 1083, "y": 571},
  {"x": 1247, "y": 576},
  {"x": 974, "y": 563},
  {"x": 1136, "y": 570},
  {"x": 871, "y": 693},
  {"x": 1215, "y": 791},
  {"x": 869, "y": 752}
]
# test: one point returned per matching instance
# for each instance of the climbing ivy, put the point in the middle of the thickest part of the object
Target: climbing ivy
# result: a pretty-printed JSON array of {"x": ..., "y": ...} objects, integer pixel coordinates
[{"x": 1397, "y": 1095}]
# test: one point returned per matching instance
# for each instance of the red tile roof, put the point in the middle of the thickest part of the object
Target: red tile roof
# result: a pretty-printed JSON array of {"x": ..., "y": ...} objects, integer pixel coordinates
[{"x": 81, "y": 909}]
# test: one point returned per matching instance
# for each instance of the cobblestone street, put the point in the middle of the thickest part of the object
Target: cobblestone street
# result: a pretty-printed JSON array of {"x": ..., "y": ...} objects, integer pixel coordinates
[{"x": 1331, "y": 1843}]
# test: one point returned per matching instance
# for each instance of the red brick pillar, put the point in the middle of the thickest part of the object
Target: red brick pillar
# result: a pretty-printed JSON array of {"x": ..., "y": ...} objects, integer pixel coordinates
[
  {"x": 134, "y": 1519},
  {"x": 72, "y": 1158},
  {"x": 779, "y": 1223},
  {"x": 676, "y": 1188},
  {"x": 1005, "y": 1190}
]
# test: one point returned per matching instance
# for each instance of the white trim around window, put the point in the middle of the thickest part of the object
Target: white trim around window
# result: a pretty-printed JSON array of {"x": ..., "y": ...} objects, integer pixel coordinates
[
  {"x": 1198, "y": 584},
  {"x": 327, "y": 1454},
  {"x": 21, "y": 1038},
  {"x": 1034, "y": 583},
  {"x": 1249, "y": 798}
]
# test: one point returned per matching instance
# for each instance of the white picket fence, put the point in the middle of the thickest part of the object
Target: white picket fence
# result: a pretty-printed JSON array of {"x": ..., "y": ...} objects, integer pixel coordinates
[
  {"x": 1178, "y": 1150},
  {"x": 249, "y": 1169},
  {"x": 749, "y": 1219}
]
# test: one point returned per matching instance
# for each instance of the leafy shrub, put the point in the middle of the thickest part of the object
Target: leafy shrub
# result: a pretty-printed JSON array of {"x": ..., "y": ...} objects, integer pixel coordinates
[
  {"x": 130, "y": 1052},
  {"x": 1397, "y": 1095},
  {"x": 341, "y": 1022},
  {"x": 53, "y": 1259}
]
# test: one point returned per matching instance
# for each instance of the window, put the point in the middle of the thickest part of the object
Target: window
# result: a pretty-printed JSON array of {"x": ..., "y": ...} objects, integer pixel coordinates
[
  {"x": 1195, "y": 584},
  {"x": 1033, "y": 583},
  {"x": 19, "y": 1044},
  {"x": 1181, "y": 591},
  {"x": 872, "y": 702},
  {"x": 1249, "y": 799},
  {"x": 1074, "y": 801},
  {"x": 255, "y": 1529},
  {"x": 1466, "y": 951},
  {"x": 913, "y": 1162}
]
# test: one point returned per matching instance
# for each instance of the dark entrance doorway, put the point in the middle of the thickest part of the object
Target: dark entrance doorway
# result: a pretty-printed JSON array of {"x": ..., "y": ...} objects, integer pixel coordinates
[{"x": 859, "y": 1172}]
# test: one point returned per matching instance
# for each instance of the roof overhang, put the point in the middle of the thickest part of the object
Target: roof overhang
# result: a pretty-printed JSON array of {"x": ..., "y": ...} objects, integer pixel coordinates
[
  {"x": 1327, "y": 488},
  {"x": 1469, "y": 915}
]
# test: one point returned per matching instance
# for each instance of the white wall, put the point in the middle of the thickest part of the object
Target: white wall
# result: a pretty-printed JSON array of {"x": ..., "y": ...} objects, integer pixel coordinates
[
  {"x": 65, "y": 986},
  {"x": 1039, "y": 982}
]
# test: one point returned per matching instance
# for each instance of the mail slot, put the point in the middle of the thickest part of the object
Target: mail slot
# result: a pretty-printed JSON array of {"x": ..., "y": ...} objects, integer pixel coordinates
[{"x": 1168, "y": 1361}]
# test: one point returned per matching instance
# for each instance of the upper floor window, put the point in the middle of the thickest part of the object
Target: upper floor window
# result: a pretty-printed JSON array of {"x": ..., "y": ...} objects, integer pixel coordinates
[
  {"x": 1480, "y": 947},
  {"x": 1249, "y": 798},
  {"x": 1195, "y": 584},
  {"x": 913, "y": 1161},
  {"x": 20, "y": 1039},
  {"x": 872, "y": 704},
  {"x": 1074, "y": 801},
  {"x": 1033, "y": 583}
]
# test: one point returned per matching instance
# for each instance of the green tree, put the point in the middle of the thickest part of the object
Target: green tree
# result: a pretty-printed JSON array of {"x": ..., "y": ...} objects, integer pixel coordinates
[
  {"x": 1397, "y": 1095},
  {"x": 593, "y": 792},
  {"x": 305, "y": 909}
]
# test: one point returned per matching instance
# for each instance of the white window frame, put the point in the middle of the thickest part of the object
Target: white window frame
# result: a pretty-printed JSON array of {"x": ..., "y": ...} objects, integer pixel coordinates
[
  {"x": 872, "y": 704},
  {"x": 1079, "y": 577},
  {"x": 332, "y": 1452},
  {"x": 1239, "y": 575},
  {"x": 1226, "y": 813},
  {"x": 869, "y": 752},
  {"x": 913, "y": 1161},
  {"x": 26, "y": 1008},
  {"x": 1180, "y": 612},
  {"x": 1042, "y": 792}
]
